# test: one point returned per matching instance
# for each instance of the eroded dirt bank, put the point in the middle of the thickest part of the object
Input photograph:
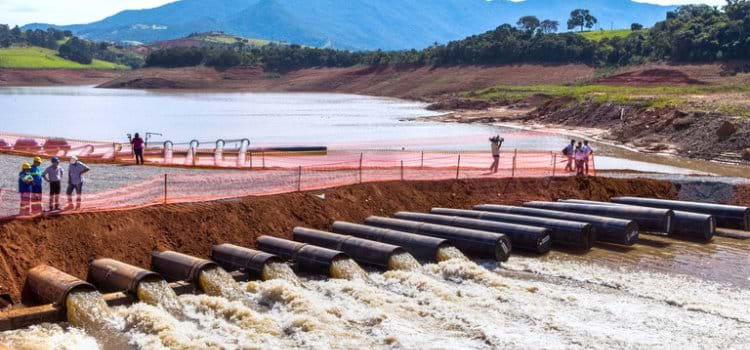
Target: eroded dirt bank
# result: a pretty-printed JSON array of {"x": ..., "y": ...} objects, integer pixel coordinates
[
  {"x": 53, "y": 77},
  {"x": 70, "y": 242},
  {"x": 411, "y": 83}
]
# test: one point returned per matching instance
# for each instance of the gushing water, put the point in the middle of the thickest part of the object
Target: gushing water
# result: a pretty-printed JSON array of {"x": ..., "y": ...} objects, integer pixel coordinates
[
  {"x": 449, "y": 253},
  {"x": 88, "y": 311},
  {"x": 159, "y": 293},
  {"x": 403, "y": 261},
  {"x": 217, "y": 282},
  {"x": 347, "y": 269},
  {"x": 279, "y": 270},
  {"x": 48, "y": 336}
]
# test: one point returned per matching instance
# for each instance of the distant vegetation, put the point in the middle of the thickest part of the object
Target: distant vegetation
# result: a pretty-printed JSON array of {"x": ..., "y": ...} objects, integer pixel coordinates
[
  {"x": 41, "y": 58},
  {"x": 36, "y": 48},
  {"x": 692, "y": 33}
]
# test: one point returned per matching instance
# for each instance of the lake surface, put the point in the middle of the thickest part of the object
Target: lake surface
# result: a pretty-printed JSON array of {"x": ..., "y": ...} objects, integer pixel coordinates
[{"x": 334, "y": 120}]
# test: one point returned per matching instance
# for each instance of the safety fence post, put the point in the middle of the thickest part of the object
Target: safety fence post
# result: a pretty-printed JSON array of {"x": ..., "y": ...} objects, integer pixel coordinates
[
  {"x": 263, "y": 154},
  {"x": 194, "y": 153},
  {"x": 593, "y": 164},
  {"x": 251, "y": 160},
  {"x": 402, "y": 170},
  {"x": 114, "y": 152},
  {"x": 458, "y": 167},
  {"x": 554, "y": 164},
  {"x": 165, "y": 188},
  {"x": 421, "y": 164},
  {"x": 513, "y": 170},
  {"x": 299, "y": 179},
  {"x": 361, "y": 157}
]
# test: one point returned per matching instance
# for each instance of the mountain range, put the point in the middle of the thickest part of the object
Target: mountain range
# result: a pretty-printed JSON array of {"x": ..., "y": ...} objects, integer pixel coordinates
[{"x": 350, "y": 24}]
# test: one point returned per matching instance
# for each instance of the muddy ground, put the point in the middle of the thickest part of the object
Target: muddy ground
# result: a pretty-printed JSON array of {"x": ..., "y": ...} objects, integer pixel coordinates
[
  {"x": 70, "y": 242},
  {"x": 51, "y": 77}
]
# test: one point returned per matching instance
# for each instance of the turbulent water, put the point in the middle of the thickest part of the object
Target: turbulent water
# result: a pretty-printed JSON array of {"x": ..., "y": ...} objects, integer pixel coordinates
[
  {"x": 403, "y": 261},
  {"x": 278, "y": 270},
  {"x": 347, "y": 269},
  {"x": 450, "y": 253},
  {"x": 217, "y": 282},
  {"x": 160, "y": 294},
  {"x": 456, "y": 303}
]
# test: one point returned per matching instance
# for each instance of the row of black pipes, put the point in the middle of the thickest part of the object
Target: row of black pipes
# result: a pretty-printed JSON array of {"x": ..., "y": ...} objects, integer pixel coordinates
[{"x": 486, "y": 232}]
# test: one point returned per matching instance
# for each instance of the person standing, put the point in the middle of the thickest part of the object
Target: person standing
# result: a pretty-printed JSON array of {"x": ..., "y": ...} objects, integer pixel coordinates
[
  {"x": 495, "y": 143},
  {"x": 76, "y": 169},
  {"x": 589, "y": 153},
  {"x": 25, "y": 187},
  {"x": 54, "y": 174},
  {"x": 36, "y": 189},
  {"x": 569, "y": 152},
  {"x": 138, "y": 143},
  {"x": 580, "y": 157}
]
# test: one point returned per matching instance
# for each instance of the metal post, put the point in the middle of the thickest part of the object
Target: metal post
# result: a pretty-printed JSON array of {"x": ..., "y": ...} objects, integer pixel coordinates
[
  {"x": 554, "y": 164},
  {"x": 165, "y": 188},
  {"x": 513, "y": 170},
  {"x": 458, "y": 167},
  {"x": 361, "y": 157},
  {"x": 264, "y": 159},
  {"x": 402, "y": 170},
  {"x": 114, "y": 152},
  {"x": 251, "y": 160},
  {"x": 299, "y": 179},
  {"x": 593, "y": 164},
  {"x": 421, "y": 165}
]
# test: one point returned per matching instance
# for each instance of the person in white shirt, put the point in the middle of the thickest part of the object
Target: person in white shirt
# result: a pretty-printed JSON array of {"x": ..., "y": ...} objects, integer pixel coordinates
[
  {"x": 589, "y": 152},
  {"x": 495, "y": 143}
]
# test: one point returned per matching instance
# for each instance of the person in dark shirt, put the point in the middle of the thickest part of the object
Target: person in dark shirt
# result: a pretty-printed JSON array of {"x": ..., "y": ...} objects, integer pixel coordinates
[
  {"x": 25, "y": 188},
  {"x": 137, "y": 143}
]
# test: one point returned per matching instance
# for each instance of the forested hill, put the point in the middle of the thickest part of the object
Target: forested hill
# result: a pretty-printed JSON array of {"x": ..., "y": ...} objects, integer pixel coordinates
[{"x": 351, "y": 24}]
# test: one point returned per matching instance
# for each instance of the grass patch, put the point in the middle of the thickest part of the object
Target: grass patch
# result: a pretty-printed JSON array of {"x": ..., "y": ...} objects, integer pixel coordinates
[
  {"x": 599, "y": 35},
  {"x": 40, "y": 58},
  {"x": 659, "y": 96}
]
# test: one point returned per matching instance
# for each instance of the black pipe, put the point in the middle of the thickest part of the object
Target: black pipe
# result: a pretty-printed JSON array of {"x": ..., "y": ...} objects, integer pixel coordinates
[
  {"x": 235, "y": 258},
  {"x": 648, "y": 219},
  {"x": 522, "y": 237},
  {"x": 573, "y": 234},
  {"x": 476, "y": 243},
  {"x": 423, "y": 248},
  {"x": 176, "y": 266},
  {"x": 726, "y": 216},
  {"x": 116, "y": 276},
  {"x": 606, "y": 229},
  {"x": 305, "y": 256},
  {"x": 50, "y": 285},
  {"x": 685, "y": 224},
  {"x": 363, "y": 251}
]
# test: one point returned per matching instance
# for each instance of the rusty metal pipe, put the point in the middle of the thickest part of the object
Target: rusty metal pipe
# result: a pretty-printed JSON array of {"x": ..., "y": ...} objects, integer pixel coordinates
[
  {"x": 573, "y": 234},
  {"x": 481, "y": 244},
  {"x": 726, "y": 216},
  {"x": 523, "y": 237},
  {"x": 686, "y": 224},
  {"x": 424, "y": 248},
  {"x": 305, "y": 256},
  {"x": 606, "y": 229},
  {"x": 363, "y": 251},
  {"x": 235, "y": 258},
  {"x": 176, "y": 266},
  {"x": 115, "y": 276},
  {"x": 50, "y": 285}
]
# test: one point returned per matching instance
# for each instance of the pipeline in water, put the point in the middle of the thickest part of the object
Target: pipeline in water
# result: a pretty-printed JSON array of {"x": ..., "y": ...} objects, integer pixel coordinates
[{"x": 87, "y": 310}]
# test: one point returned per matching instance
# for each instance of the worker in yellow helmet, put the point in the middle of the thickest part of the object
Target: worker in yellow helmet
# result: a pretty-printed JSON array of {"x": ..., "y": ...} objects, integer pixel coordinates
[
  {"x": 25, "y": 187},
  {"x": 36, "y": 190}
]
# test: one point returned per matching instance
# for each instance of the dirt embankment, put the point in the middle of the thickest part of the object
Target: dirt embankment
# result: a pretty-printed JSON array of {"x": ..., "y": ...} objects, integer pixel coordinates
[
  {"x": 70, "y": 242},
  {"x": 52, "y": 77},
  {"x": 412, "y": 83}
]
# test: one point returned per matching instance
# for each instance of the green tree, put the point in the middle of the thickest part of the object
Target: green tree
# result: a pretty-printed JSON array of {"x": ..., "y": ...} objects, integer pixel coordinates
[
  {"x": 549, "y": 26},
  {"x": 581, "y": 18},
  {"x": 528, "y": 23},
  {"x": 636, "y": 27},
  {"x": 78, "y": 50}
]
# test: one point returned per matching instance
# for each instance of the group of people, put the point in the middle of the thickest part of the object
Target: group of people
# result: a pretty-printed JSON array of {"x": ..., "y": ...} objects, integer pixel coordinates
[
  {"x": 31, "y": 181},
  {"x": 578, "y": 153}
]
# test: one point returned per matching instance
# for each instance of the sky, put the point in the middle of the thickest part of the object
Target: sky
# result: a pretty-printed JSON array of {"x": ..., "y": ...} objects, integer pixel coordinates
[{"x": 20, "y": 12}]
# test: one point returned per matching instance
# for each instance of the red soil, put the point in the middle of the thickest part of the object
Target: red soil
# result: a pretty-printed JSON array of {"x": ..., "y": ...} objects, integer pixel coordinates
[
  {"x": 70, "y": 242},
  {"x": 46, "y": 77}
]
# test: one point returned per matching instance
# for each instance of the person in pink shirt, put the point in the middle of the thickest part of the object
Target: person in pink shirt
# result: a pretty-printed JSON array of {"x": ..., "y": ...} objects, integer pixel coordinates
[{"x": 137, "y": 143}]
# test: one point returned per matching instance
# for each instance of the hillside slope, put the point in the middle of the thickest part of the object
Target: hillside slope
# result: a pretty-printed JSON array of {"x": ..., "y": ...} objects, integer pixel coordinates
[
  {"x": 41, "y": 58},
  {"x": 351, "y": 24}
]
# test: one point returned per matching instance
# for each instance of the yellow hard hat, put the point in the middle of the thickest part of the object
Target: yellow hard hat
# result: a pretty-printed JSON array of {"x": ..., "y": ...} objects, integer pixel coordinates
[
  {"x": 37, "y": 159},
  {"x": 26, "y": 166}
]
